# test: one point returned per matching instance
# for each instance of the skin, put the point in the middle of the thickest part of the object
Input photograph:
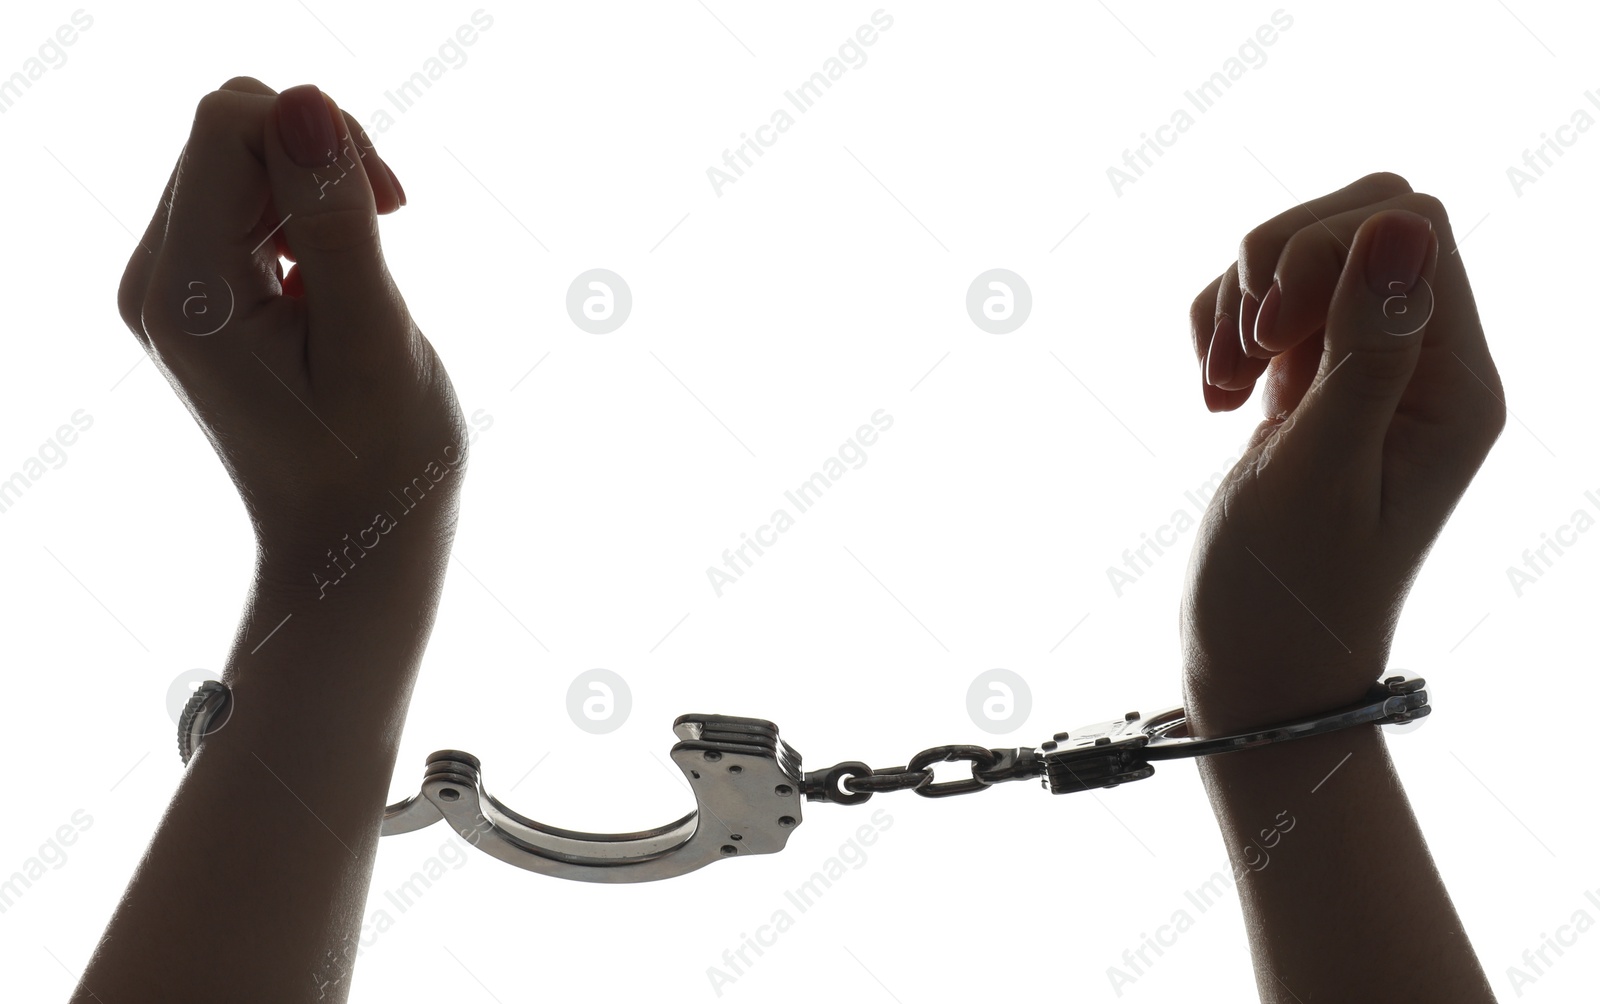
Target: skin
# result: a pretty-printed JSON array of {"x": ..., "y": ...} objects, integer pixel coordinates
[
  {"x": 321, "y": 396},
  {"x": 253, "y": 885},
  {"x": 1303, "y": 563}
]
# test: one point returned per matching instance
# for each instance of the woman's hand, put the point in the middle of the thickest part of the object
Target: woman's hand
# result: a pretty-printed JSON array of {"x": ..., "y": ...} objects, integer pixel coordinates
[
  {"x": 316, "y": 388},
  {"x": 1381, "y": 400},
  {"x": 328, "y": 408}
]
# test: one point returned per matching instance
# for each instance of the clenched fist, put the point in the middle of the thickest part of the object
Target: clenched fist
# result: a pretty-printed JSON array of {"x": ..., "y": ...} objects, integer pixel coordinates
[
  {"x": 316, "y": 388},
  {"x": 1382, "y": 402}
]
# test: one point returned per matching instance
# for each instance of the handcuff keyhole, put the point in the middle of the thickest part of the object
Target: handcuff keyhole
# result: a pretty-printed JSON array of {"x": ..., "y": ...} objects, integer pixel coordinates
[
  {"x": 729, "y": 849},
  {"x": 449, "y": 794}
]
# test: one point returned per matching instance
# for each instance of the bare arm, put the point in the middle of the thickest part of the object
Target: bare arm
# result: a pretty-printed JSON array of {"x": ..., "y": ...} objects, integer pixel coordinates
[
  {"x": 253, "y": 885},
  {"x": 337, "y": 422},
  {"x": 1382, "y": 401},
  {"x": 1337, "y": 885}
]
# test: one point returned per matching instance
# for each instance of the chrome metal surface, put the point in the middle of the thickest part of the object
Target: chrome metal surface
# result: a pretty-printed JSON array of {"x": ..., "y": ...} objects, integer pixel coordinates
[
  {"x": 1107, "y": 754},
  {"x": 745, "y": 779},
  {"x": 749, "y": 787}
]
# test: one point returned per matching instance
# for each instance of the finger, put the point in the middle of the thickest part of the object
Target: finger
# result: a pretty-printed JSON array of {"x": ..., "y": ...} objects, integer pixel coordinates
[
  {"x": 1370, "y": 351},
  {"x": 1309, "y": 267},
  {"x": 386, "y": 190},
  {"x": 249, "y": 85},
  {"x": 1218, "y": 399},
  {"x": 1261, "y": 247},
  {"x": 1202, "y": 331},
  {"x": 1221, "y": 357},
  {"x": 1290, "y": 374},
  {"x": 354, "y": 313},
  {"x": 1455, "y": 406},
  {"x": 266, "y": 227},
  {"x": 1226, "y": 366},
  {"x": 136, "y": 277},
  {"x": 211, "y": 268},
  {"x": 1202, "y": 321},
  {"x": 141, "y": 263}
]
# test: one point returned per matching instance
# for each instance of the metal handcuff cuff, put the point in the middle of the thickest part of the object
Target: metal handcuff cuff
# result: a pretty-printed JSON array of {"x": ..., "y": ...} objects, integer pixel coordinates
[{"x": 750, "y": 787}]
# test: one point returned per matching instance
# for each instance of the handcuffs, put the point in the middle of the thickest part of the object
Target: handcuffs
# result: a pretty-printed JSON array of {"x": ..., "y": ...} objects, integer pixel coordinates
[{"x": 749, "y": 785}]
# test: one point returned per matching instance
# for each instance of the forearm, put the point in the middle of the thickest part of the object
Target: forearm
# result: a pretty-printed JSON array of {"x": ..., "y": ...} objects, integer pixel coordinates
[
  {"x": 1346, "y": 904},
  {"x": 253, "y": 884}
]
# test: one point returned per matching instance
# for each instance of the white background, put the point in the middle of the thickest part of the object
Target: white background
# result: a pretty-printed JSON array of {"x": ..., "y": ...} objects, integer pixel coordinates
[{"x": 768, "y": 323}]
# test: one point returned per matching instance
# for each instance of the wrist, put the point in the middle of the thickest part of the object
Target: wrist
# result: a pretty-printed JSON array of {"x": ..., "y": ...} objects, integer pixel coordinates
[
  {"x": 380, "y": 557},
  {"x": 1220, "y": 701}
]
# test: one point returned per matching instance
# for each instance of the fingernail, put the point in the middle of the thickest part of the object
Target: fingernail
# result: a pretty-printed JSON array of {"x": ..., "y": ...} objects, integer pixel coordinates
[
  {"x": 305, "y": 122},
  {"x": 1399, "y": 250},
  {"x": 1221, "y": 358},
  {"x": 399, "y": 189},
  {"x": 1267, "y": 316},
  {"x": 1218, "y": 399},
  {"x": 1248, "y": 305}
]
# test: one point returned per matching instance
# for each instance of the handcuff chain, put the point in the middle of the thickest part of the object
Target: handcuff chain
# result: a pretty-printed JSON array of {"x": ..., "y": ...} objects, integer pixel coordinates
[{"x": 851, "y": 782}]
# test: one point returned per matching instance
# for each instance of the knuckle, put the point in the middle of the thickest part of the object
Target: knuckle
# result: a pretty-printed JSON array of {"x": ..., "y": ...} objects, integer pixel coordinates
[
  {"x": 1204, "y": 308},
  {"x": 1494, "y": 419},
  {"x": 250, "y": 84},
  {"x": 1311, "y": 253},
  {"x": 1430, "y": 206},
  {"x": 1490, "y": 413},
  {"x": 1497, "y": 420},
  {"x": 130, "y": 300},
  {"x": 1258, "y": 259},
  {"x": 130, "y": 308},
  {"x": 1386, "y": 182},
  {"x": 215, "y": 111},
  {"x": 157, "y": 326}
]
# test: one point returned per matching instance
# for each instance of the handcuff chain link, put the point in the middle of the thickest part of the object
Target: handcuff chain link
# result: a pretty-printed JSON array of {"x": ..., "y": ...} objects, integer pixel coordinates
[{"x": 851, "y": 782}]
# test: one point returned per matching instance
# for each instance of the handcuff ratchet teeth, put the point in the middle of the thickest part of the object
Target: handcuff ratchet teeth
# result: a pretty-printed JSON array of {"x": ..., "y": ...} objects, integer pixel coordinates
[
  {"x": 749, "y": 786},
  {"x": 745, "y": 779}
]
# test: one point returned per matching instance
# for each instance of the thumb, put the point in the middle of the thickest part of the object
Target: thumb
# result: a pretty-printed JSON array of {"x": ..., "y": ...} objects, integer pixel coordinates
[
  {"x": 318, "y": 173},
  {"x": 1373, "y": 339}
]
